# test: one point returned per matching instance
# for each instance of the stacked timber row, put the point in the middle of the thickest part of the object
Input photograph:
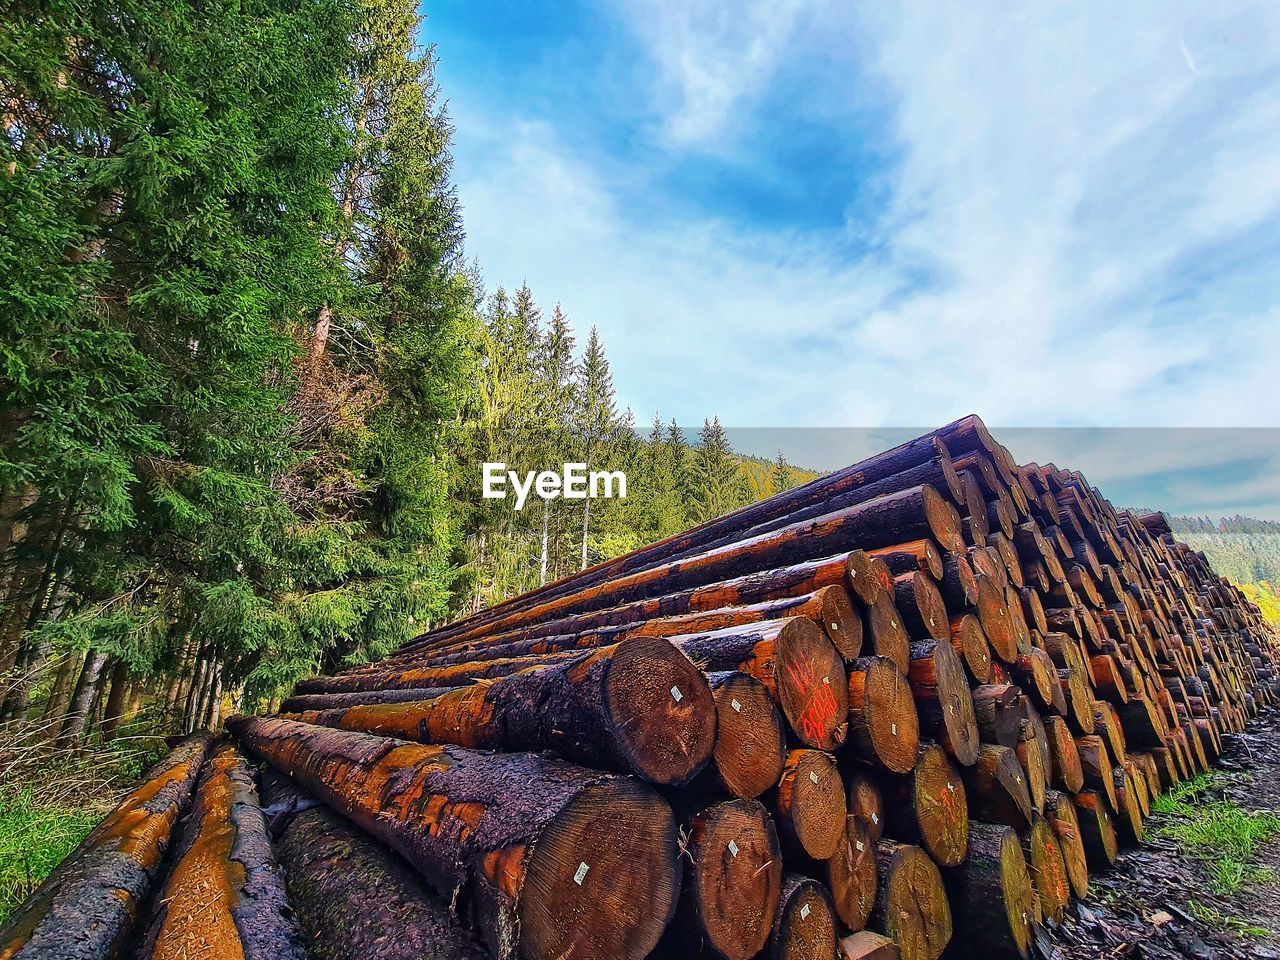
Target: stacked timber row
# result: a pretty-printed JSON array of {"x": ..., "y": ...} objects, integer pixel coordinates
[{"x": 901, "y": 710}]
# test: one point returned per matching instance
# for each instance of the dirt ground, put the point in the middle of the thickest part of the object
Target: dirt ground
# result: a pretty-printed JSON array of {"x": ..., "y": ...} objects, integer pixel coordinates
[{"x": 1147, "y": 907}]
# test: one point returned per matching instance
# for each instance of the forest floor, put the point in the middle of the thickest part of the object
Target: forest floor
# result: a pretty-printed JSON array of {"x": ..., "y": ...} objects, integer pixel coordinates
[{"x": 1206, "y": 883}]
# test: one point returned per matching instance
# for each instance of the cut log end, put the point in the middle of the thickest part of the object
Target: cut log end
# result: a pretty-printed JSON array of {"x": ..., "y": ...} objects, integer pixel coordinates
[
  {"x": 882, "y": 714},
  {"x": 811, "y": 803},
  {"x": 841, "y": 621},
  {"x": 994, "y": 894},
  {"x": 750, "y": 739},
  {"x": 1048, "y": 869},
  {"x": 806, "y": 924},
  {"x": 602, "y": 880},
  {"x": 736, "y": 877},
  {"x": 665, "y": 715},
  {"x": 912, "y": 905},
  {"x": 851, "y": 874},
  {"x": 940, "y": 806},
  {"x": 812, "y": 685}
]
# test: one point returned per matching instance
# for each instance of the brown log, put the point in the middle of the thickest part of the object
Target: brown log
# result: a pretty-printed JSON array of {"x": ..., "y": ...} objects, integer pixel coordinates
[
  {"x": 971, "y": 643},
  {"x": 958, "y": 583},
  {"x": 905, "y": 557},
  {"x": 349, "y": 891},
  {"x": 996, "y": 788},
  {"x": 1033, "y": 757},
  {"x": 942, "y": 697},
  {"x": 992, "y": 894},
  {"x": 810, "y": 803},
  {"x": 1060, "y": 811},
  {"x": 639, "y": 706},
  {"x": 1038, "y": 675},
  {"x": 998, "y": 714},
  {"x": 997, "y": 624},
  {"x": 86, "y": 906},
  {"x": 805, "y": 926},
  {"x": 851, "y": 875},
  {"x": 797, "y": 663},
  {"x": 868, "y": 945},
  {"x": 733, "y": 879},
  {"x": 921, "y": 605},
  {"x": 1095, "y": 763},
  {"x": 750, "y": 739},
  {"x": 1048, "y": 869},
  {"x": 1096, "y": 829},
  {"x": 224, "y": 890},
  {"x": 928, "y": 807},
  {"x": 866, "y": 803},
  {"x": 1128, "y": 809},
  {"x": 883, "y": 724},
  {"x": 1068, "y": 774},
  {"x": 911, "y": 902},
  {"x": 575, "y": 860}
]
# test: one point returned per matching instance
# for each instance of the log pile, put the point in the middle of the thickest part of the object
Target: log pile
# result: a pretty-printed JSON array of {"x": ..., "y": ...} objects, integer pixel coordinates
[{"x": 907, "y": 706}]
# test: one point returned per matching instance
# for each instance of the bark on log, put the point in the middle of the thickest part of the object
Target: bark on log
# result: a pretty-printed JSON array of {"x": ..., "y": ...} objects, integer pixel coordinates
[
  {"x": 917, "y": 555},
  {"x": 1068, "y": 774},
  {"x": 553, "y": 858},
  {"x": 640, "y": 706},
  {"x": 225, "y": 893},
  {"x": 911, "y": 902},
  {"x": 928, "y": 807},
  {"x": 805, "y": 927},
  {"x": 85, "y": 908},
  {"x": 355, "y": 898},
  {"x": 997, "y": 713},
  {"x": 810, "y": 803},
  {"x": 943, "y": 700},
  {"x": 883, "y": 724},
  {"x": 993, "y": 895}
]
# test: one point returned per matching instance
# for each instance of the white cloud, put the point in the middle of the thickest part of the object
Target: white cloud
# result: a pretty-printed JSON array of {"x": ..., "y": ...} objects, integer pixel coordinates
[
  {"x": 1062, "y": 170},
  {"x": 711, "y": 56}
]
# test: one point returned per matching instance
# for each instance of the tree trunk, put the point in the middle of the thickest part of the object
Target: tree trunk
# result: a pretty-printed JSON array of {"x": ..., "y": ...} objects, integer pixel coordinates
[
  {"x": 83, "y": 699},
  {"x": 116, "y": 699},
  {"x": 539, "y": 874}
]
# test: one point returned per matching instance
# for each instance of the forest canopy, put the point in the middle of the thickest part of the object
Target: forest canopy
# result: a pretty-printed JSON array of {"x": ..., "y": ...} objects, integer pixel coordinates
[{"x": 249, "y": 374}]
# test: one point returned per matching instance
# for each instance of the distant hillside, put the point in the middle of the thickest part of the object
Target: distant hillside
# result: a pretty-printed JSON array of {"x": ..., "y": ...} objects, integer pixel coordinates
[
  {"x": 758, "y": 474},
  {"x": 1244, "y": 549}
]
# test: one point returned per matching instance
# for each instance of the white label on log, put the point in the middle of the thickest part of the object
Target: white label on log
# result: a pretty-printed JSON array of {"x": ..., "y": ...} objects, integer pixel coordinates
[
  {"x": 804, "y": 911},
  {"x": 951, "y": 786},
  {"x": 733, "y": 848},
  {"x": 737, "y": 707},
  {"x": 676, "y": 694},
  {"x": 813, "y": 776},
  {"x": 858, "y": 844},
  {"x": 835, "y": 627},
  {"x": 893, "y": 728},
  {"x": 827, "y": 681},
  {"x": 875, "y": 819},
  {"x": 581, "y": 874}
]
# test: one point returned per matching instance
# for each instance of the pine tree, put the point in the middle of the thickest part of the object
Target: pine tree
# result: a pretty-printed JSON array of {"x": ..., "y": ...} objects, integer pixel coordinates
[
  {"x": 782, "y": 478},
  {"x": 595, "y": 421},
  {"x": 715, "y": 480}
]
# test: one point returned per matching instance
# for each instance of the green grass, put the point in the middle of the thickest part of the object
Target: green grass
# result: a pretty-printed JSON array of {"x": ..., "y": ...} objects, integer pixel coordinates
[
  {"x": 1215, "y": 918},
  {"x": 1218, "y": 832},
  {"x": 34, "y": 837}
]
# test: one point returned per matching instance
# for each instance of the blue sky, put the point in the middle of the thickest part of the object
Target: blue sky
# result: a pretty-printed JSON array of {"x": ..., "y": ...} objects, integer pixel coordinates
[{"x": 806, "y": 214}]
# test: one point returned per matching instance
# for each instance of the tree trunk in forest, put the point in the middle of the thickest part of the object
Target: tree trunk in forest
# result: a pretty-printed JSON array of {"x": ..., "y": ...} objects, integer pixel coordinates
[
  {"x": 586, "y": 527},
  {"x": 213, "y": 713},
  {"x": 60, "y": 695},
  {"x": 542, "y": 568},
  {"x": 115, "y": 699},
  {"x": 193, "y": 692},
  {"x": 83, "y": 698}
]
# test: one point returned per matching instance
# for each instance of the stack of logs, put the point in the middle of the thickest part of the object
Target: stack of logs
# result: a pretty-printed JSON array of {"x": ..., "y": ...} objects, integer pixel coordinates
[{"x": 905, "y": 707}]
